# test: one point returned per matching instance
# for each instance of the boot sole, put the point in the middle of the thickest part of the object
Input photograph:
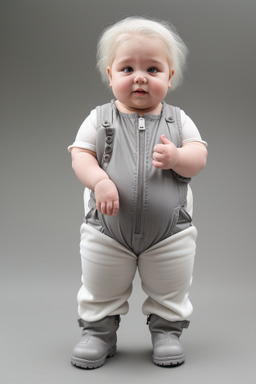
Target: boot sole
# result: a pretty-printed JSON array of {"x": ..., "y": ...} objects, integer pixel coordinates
[
  {"x": 167, "y": 362},
  {"x": 92, "y": 364}
]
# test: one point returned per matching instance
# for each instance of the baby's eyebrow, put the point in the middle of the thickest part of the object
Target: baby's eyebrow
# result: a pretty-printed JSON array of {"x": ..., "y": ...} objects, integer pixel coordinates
[
  {"x": 125, "y": 60},
  {"x": 155, "y": 61},
  {"x": 130, "y": 60}
]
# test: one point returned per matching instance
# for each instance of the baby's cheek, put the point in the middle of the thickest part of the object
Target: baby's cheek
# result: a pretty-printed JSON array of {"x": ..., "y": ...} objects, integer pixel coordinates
[{"x": 161, "y": 89}]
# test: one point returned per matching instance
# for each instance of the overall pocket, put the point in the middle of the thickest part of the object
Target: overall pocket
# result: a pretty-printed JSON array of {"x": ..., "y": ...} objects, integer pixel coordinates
[{"x": 183, "y": 221}]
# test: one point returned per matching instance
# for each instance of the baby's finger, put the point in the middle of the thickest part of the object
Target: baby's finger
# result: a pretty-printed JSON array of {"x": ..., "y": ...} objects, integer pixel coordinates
[
  {"x": 103, "y": 208},
  {"x": 115, "y": 207},
  {"x": 157, "y": 156},
  {"x": 109, "y": 208},
  {"x": 158, "y": 148},
  {"x": 158, "y": 164}
]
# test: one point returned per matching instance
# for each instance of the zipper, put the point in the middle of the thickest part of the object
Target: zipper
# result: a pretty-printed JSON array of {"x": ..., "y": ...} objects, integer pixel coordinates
[{"x": 140, "y": 180}]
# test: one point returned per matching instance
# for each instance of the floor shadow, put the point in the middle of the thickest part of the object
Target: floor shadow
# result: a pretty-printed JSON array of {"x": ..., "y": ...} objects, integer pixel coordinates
[{"x": 134, "y": 356}]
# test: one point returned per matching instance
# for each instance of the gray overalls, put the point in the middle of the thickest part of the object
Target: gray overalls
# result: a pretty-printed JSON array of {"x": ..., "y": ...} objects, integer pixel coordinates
[
  {"x": 151, "y": 200},
  {"x": 152, "y": 232}
]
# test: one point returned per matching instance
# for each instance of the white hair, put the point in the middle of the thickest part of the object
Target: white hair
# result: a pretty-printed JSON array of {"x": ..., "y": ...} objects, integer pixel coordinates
[{"x": 123, "y": 30}]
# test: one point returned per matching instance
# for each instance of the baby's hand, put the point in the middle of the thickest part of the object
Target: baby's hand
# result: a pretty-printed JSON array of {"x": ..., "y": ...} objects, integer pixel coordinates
[
  {"x": 107, "y": 198},
  {"x": 165, "y": 155}
]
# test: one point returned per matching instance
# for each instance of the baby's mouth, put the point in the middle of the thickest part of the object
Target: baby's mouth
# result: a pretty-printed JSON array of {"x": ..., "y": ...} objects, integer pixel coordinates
[{"x": 140, "y": 92}]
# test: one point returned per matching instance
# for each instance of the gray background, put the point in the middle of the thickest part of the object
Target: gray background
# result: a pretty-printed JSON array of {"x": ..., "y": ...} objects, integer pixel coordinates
[{"x": 48, "y": 86}]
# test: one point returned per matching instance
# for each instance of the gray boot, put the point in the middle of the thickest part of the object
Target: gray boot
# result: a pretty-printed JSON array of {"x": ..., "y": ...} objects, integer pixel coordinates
[
  {"x": 98, "y": 342},
  {"x": 167, "y": 349}
]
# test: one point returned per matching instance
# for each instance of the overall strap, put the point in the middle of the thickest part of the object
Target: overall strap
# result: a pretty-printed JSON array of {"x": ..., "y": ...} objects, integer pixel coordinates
[
  {"x": 104, "y": 115},
  {"x": 173, "y": 117},
  {"x": 105, "y": 136}
]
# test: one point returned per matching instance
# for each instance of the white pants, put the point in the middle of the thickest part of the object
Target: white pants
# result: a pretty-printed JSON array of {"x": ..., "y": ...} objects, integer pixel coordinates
[{"x": 109, "y": 269}]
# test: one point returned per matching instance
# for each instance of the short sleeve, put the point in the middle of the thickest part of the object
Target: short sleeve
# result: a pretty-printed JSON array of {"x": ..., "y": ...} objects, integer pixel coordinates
[
  {"x": 190, "y": 132},
  {"x": 86, "y": 135}
]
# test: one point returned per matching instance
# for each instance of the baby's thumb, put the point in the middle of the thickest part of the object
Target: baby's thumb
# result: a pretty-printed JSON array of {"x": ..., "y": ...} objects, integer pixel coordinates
[{"x": 165, "y": 140}]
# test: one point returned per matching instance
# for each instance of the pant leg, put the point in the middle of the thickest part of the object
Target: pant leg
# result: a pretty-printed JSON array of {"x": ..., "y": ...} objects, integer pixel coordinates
[
  {"x": 108, "y": 271},
  {"x": 166, "y": 274}
]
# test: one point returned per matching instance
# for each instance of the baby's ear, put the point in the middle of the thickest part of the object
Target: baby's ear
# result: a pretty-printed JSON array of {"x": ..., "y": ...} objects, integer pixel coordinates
[
  {"x": 109, "y": 76},
  {"x": 170, "y": 77}
]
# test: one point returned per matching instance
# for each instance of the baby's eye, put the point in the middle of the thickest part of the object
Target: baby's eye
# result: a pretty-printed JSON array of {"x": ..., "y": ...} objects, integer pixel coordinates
[
  {"x": 153, "y": 70},
  {"x": 127, "y": 69}
]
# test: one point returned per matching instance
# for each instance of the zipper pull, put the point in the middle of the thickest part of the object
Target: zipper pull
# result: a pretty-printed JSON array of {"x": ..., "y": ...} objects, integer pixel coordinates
[{"x": 142, "y": 124}]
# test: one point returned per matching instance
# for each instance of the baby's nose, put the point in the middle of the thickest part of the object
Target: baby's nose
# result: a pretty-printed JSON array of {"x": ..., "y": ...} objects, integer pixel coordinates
[{"x": 139, "y": 78}]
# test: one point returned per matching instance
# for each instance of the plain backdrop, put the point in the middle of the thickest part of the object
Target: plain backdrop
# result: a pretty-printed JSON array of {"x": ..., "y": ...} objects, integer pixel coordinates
[{"x": 48, "y": 86}]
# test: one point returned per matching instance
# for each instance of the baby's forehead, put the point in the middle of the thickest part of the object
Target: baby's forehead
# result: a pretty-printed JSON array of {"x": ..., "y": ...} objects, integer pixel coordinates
[
  {"x": 129, "y": 41},
  {"x": 133, "y": 36}
]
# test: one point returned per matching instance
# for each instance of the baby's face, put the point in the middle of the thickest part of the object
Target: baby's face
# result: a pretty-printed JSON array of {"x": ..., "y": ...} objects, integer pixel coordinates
[{"x": 140, "y": 75}]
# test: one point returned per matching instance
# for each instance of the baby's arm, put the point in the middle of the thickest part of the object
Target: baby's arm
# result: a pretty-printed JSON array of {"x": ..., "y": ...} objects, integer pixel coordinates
[
  {"x": 186, "y": 161},
  {"x": 88, "y": 171}
]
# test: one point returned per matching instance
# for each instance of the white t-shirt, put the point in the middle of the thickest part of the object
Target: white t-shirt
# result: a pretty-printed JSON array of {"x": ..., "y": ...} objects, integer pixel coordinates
[{"x": 86, "y": 135}]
